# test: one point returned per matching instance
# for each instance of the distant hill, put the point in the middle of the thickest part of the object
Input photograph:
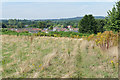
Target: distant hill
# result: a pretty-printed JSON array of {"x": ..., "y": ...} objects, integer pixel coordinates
[
  {"x": 74, "y": 18},
  {"x": 78, "y": 18},
  {"x": 61, "y": 19},
  {"x": 99, "y": 17}
]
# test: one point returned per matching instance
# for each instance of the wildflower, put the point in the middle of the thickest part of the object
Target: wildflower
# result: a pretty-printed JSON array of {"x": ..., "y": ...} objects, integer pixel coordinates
[
  {"x": 33, "y": 64},
  {"x": 111, "y": 61},
  {"x": 40, "y": 65},
  {"x": 101, "y": 36},
  {"x": 98, "y": 41},
  {"x": 117, "y": 63}
]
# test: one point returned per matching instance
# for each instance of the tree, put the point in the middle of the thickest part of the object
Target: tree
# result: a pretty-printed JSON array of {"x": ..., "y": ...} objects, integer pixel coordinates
[
  {"x": 113, "y": 18},
  {"x": 4, "y": 25},
  {"x": 48, "y": 23},
  {"x": 87, "y": 24},
  {"x": 15, "y": 21},
  {"x": 51, "y": 27},
  {"x": 11, "y": 22},
  {"x": 41, "y": 24},
  {"x": 20, "y": 25},
  {"x": 100, "y": 25}
]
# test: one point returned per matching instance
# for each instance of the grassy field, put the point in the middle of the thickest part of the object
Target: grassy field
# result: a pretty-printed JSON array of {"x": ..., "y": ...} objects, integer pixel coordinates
[{"x": 48, "y": 57}]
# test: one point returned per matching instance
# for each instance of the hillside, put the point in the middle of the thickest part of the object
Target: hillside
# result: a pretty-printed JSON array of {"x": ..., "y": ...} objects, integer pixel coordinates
[
  {"x": 74, "y": 18},
  {"x": 48, "y": 57}
]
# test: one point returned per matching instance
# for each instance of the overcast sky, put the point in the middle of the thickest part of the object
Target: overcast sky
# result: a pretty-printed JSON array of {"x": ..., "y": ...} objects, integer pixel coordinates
[{"x": 42, "y": 9}]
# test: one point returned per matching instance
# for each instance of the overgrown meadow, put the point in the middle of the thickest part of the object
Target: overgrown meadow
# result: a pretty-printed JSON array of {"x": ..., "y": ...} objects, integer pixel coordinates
[{"x": 56, "y": 57}]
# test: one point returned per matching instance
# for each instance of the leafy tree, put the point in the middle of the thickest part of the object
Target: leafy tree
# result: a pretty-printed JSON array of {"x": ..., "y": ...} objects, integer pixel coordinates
[
  {"x": 15, "y": 21},
  {"x": 20, "y": 25},
  {"x": 113, "y": 18},
  {"x": 4, "y": 25},
  {"x": 100, "y": 25},
  {"x": 33, "y": 26},
  {"x": 49, "y": 23},
  {"x": 11, "y": 22},
  {"x": 87, "y": 24},
  {"x": 51, "y": 27},
  {"x": 41, "y": 24}
]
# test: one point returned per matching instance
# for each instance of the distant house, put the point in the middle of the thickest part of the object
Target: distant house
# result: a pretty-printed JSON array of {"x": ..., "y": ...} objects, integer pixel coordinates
[
  {"x": 75, "y": 29},
  {"x": 30, "y": 30},
  {"x": 36, "y": 30},
  {"x": 70, "y": 28},
  {"x": 55, "y": 28},
  {"x": 33, "y": 31},
  {"x": 60, "y": 29},
  {"x": 15, "y": 29},
  {"x": 64, "y": 29},
  {"x": 45, "y": 30},
  {"x": 26, "y": 25},
  {"x": 51, "y": 30},
  {"x": 19, "y": 30}
]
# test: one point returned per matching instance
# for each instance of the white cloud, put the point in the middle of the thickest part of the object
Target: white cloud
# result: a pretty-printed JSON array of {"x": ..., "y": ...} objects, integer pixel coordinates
[{"x": 59, "y": 0}]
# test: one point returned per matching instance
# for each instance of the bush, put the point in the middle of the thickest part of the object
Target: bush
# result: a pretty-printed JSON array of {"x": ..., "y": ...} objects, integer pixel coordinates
[
  {"x": 53, "y": 34},
  {"x": 105, "y": 39},
  {"x": 9, "y": 32}
]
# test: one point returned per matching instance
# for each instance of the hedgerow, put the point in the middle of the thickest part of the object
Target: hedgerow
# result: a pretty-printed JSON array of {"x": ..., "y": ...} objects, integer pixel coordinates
[{"x": 50, "y": 34}]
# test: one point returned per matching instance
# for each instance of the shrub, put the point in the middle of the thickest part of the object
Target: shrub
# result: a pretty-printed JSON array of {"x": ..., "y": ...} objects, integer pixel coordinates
[{"x": 105, "y": 39}]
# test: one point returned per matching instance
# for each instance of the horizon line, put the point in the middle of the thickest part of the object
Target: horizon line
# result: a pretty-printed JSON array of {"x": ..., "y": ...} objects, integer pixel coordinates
[{"x": 46, "y": 18}]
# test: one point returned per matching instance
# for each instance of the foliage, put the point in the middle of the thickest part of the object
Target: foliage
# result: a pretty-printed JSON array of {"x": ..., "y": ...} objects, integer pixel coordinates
[
  {"x": 50, "y": 23},
  {"x": 3, "y": 25},
  {"x": 105, "y": 40},
  {"x": 20, "y": 25},
  {"x": 50, "y": 34},
  {"x": 113, "y": 18},
  {"x": 100, "y": 25},
  {"x": 11, "y": 23},
  {"x": 41, "y": 24},
  {"x": 62, "y": 34},
  {"x": 9, "y": 32},
  {"x": 88, "y": 24}
]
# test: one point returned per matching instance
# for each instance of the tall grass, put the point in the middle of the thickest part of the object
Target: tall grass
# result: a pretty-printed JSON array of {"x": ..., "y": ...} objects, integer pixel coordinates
[{"x": 48, "y": 57}]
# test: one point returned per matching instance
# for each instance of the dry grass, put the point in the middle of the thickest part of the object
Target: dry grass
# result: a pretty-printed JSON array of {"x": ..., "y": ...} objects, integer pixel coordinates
[{"x": 48, "y": 57}]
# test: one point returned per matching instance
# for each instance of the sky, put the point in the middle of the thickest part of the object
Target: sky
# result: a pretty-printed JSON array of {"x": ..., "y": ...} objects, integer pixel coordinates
[
  {"x": 54, "y": 9},
  {"x": 59, "y": 0}
]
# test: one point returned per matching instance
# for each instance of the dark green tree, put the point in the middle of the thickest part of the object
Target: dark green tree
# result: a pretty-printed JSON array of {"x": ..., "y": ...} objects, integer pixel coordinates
[
  {"x": 113, "y": 18},
  {"x": 11, "y": 22},
  {"x": 41, "y": 24},
  {"x": 4, "y": 25},
  {"x": 100, "y": 25},
  {"x": 49, "y": 23},
  {"x": 20, "y": 25},
  {"x": 15, "y": 21},
  {"x": 87, "y": 24}
]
